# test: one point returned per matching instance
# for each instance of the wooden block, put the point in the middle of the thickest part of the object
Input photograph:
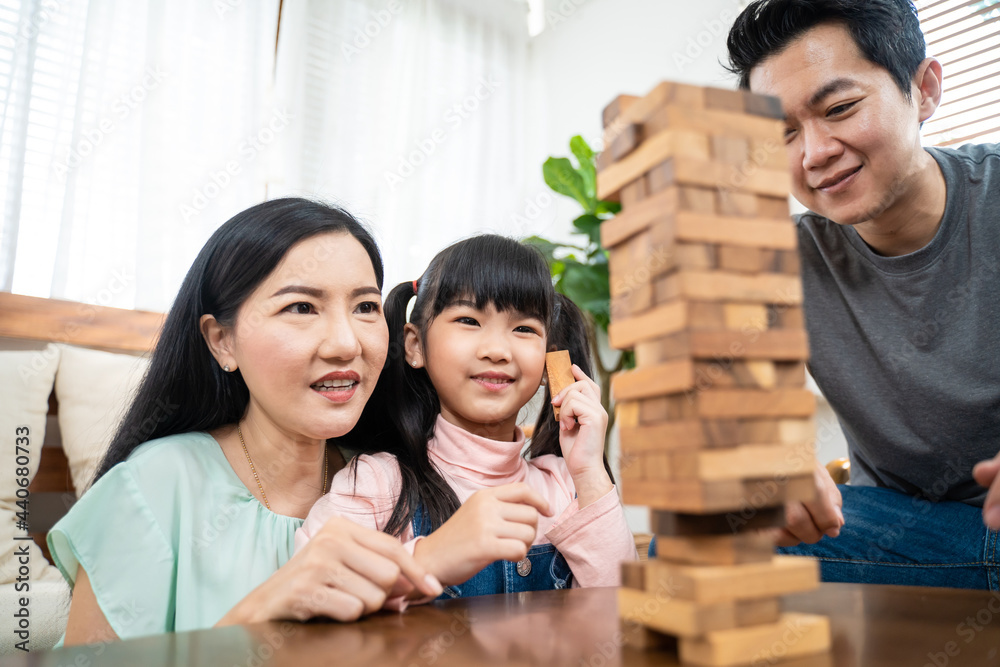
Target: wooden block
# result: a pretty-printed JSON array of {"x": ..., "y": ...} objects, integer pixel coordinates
[
  {"x": 696, "y": 199},
  {"x": 634, "y": 575},
  {"x": 737, "y": 403},
  {"x": 560, "y": 373},
  {"x": 736, "y": 231},
  {"x": 793, "y": 636},
  {"x": 652, "y": 153},
  {"x": 658, "y": 611},
  {"x": 742, "y": 344},
  {"x": 723, "y": 286},
  {"x": 714, "y": 122},
  {"x": 633, "y": 193},
  {"x": 706, "y": 584},
  {"x": 758, "y": 374},
  {"x": 677, "y": 525},
  {"x": 731, "y": 150},
  {"x": 667, "y": 408},
  {"x": 740, "y": 204},
  {"x": 789, "y": 262},
  {"x": 639, "y": 637},
  {"x": 770, "y": 182},
  {"x": 745, "y": 260},
  {"x": 667, "y": 435},
  {"x": 769, "y": 154},
  {"x": 715, "y": 497},
  {"x": 740, "y": 316},
  {"x": 662, "y": 320},
  {"x": 786, "y": 316},
  {"x": 638, "y": 218},
  {"x": 762, "y": 105},
  {"x": 790, "y": 374},
  {"x": 668, "y": 378},
  {"x": 752, "y": 547},
  {"x": 726, "y": 100},
  {"x": 738, "y": 463},
  {"x": 638, "y": 111},
  {"x": 617, "y": 107},
  {"x": 775, "y": 208},
  {"x": 627, "y": 140}
]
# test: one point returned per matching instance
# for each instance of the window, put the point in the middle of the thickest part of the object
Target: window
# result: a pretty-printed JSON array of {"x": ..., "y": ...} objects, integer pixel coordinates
[{"x": 965, "y": 36}]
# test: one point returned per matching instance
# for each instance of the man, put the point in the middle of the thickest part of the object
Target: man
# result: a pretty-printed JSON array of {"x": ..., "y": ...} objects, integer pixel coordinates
[{"x": 901, "y": 271}]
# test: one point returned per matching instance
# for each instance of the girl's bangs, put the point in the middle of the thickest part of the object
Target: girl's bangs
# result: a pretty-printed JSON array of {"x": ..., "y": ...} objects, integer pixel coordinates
[{"x": 496, "y": 270}]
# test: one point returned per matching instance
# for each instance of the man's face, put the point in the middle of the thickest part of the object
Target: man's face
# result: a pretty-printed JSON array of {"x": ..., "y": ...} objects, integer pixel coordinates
[{"x": 853, "y": 139}]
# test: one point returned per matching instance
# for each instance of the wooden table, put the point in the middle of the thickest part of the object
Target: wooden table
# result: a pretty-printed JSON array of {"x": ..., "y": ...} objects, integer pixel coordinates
[{"x": 872, "y": 626}]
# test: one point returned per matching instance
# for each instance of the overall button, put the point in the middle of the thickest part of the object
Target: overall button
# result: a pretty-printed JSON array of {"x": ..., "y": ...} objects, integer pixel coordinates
[{"x": 524, "y": 567}]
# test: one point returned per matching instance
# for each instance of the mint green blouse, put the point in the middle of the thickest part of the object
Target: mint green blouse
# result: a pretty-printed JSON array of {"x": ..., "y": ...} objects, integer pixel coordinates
[{"x": 171, "y": 539}]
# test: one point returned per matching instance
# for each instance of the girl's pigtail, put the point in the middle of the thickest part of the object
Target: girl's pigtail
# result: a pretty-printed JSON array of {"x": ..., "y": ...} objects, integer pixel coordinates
[{"x": 413, "y": 408}]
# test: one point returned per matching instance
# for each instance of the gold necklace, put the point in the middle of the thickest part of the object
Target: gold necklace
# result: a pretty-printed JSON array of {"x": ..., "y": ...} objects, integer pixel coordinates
[{"x": 254, "y": 470}]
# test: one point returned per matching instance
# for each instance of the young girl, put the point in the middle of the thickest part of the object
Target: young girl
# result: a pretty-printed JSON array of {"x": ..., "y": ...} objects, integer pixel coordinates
[{"x": 449, "y": 479}]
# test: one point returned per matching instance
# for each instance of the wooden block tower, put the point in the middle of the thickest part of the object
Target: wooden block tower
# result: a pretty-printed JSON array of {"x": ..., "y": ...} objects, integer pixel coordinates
[{"x": 715, "y": 420}]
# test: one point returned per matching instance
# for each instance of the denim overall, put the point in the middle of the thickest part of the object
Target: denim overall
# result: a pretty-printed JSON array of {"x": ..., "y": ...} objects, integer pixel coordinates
[{"x": 543, "y": 569}]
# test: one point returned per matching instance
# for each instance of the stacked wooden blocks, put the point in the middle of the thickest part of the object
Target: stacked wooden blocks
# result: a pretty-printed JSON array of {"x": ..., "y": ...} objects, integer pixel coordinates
[{"x": 716, "y": 421}]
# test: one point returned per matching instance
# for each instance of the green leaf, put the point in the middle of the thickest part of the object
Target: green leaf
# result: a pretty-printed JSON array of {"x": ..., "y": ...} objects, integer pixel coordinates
[
  {"x": 587, "y": 286},
  {"x": 563, "y": 178},
  {"x": 604, "y": 207},
  {"x": 591, "y": 226},
  {"x": 544, "y": 246},
  {"x": 585, "y": 157}
]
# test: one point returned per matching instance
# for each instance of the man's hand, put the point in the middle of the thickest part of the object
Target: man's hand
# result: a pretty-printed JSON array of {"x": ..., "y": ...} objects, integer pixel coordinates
[
  {"x": 987, "y": 473},
  {"x": 809, "y": 522}
]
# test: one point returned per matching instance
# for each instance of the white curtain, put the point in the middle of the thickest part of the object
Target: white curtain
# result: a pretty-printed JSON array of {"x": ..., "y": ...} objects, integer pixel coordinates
[
  {"x": 410, "y": 114},
  {"x": 128, "y": 132}
]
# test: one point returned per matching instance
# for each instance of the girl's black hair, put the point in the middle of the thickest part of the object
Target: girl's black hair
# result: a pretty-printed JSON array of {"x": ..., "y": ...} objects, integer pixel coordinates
[
  {"x": 184, "y": 389},
  {"x": 887, "y": 32},
  {"x": 486, "y": 269}
]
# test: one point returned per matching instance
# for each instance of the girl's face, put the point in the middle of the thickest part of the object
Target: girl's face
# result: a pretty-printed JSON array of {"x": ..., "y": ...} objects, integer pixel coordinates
[
  {"x": 311, "y": 340},
  {"x": 484, "y": 364}
]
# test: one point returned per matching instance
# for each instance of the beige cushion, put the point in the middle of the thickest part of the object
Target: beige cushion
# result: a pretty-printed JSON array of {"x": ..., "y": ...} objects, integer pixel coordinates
[
  {"x": 25, "y": 385},
  {"x": 93, "y": 388}
]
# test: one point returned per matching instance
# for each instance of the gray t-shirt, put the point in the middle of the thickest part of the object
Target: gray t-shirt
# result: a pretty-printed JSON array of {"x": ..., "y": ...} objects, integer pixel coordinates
[{"x": 907, "y": 349}]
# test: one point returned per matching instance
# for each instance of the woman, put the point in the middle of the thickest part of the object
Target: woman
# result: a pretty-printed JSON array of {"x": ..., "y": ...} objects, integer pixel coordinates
[{"x": 273, "y": 346}]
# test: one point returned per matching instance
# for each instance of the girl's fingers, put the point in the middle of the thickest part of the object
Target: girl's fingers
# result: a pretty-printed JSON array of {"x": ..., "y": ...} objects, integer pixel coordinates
[
  {"x": 391, "y": 548},
  {"x": 523, "y": 533},
  {"x": 336, "y": 604},
  {"x": 519, "y": 513},
  {"x": 522, "y": 493},
  {"x": 358, "y": 585}
]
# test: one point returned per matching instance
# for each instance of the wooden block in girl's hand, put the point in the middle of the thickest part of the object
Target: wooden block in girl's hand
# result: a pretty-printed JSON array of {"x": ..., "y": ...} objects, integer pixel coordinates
[{"x": 560, "y": 373}]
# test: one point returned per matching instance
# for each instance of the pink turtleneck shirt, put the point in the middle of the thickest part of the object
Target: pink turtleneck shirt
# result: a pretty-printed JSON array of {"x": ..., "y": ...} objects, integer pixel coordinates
[{"x": 593, "y": 540}]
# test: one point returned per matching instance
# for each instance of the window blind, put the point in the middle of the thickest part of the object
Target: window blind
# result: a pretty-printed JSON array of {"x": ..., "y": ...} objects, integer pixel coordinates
[{"x": 965, "y": 36}]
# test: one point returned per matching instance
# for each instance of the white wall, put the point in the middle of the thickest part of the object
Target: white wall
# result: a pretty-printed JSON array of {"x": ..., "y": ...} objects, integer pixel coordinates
[{"x": 590, "y": 52}]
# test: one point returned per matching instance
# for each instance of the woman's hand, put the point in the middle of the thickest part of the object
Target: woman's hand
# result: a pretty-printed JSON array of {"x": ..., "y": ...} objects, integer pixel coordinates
[
  {"x": 583, "y": 423},
  {"x": 498, "y": 523},
  {"x": 344, "y": 572}
]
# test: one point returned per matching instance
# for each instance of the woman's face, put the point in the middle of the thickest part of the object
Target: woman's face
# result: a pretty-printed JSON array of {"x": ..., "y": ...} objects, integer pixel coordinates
[{"x": 311, "y": 339}]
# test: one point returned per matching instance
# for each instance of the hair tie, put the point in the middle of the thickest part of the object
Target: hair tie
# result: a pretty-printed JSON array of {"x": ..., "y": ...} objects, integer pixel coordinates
[{"x": 414, "y": 287}]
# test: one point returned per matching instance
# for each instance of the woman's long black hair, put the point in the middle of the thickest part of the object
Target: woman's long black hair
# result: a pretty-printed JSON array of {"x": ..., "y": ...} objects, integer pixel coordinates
[
  {"x": 486, "y": 269},
  {"x": 184, "y": 389}
]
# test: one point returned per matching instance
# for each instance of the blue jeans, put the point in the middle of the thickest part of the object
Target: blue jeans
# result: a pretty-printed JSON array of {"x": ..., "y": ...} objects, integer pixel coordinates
[
  {"x": 893, "y": 538},
  {"x": 543, "y": 569}
]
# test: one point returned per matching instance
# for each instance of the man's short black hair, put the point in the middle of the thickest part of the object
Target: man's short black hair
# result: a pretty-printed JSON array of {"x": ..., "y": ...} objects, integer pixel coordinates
[{"x": 886, "y": 31}]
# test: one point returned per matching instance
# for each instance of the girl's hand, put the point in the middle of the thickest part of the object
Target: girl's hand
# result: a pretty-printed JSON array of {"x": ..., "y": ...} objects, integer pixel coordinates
[
  {"x": 344, "y": 572},
  {"x": 582, "y": 426},
  {"x": 497, "y": 523}
]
